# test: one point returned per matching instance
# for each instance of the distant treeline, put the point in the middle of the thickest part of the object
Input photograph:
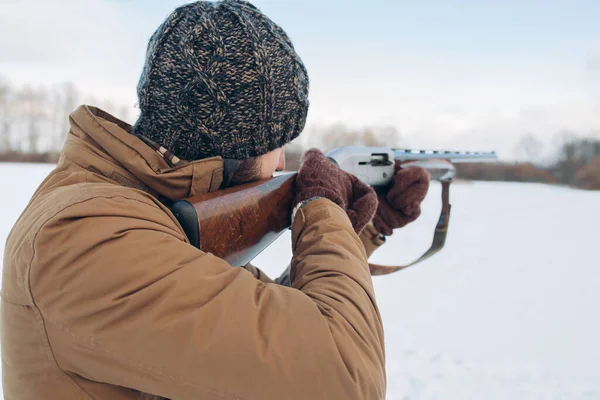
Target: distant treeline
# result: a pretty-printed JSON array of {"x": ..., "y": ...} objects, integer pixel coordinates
[
  {"x": 577, "y": 164},
  {"x": 34, "y": 120},
  {"x": 34, "y": 124},
  {"x": 19, "y": 156}
]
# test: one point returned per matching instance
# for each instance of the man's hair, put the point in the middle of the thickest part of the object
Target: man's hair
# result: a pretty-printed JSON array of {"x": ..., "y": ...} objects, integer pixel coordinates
[{"x": 248, "y": 170}]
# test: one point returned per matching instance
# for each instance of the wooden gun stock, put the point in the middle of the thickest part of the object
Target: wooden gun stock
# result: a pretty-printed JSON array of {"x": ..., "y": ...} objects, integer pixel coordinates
[{"x": 237, "y": 223}]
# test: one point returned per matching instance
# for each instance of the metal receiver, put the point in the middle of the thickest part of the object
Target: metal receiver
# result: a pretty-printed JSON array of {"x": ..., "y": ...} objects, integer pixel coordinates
[{"x": 375, "y": 165}]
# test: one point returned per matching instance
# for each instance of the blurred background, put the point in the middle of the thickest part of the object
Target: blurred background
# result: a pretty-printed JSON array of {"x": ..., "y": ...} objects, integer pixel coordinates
[{"x": 509, "y": 309}]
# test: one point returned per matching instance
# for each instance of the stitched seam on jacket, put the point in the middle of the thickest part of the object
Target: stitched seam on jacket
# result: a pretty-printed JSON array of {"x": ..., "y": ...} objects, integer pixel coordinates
[
  {"x": 84, "y": 150},
  {"x": 155, "y": 371},
  {"x": 40, "y": 321},
  {"x": 42, "y": 327},
  {"x": 93, "y": 345}
]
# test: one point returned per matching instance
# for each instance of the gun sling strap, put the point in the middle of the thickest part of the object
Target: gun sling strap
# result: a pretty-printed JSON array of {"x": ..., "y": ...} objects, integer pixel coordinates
[{"x": 439, "y": 237}]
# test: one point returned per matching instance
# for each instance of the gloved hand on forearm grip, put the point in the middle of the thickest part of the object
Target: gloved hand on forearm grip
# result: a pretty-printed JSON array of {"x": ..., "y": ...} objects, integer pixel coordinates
[
  {"x": 402, "y": 203},
  {"x": 320, "y": 177}
]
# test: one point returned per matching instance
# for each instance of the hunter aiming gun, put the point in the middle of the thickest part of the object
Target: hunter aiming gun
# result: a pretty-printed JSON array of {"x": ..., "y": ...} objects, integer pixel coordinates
[{"x": 237, "y": 223}]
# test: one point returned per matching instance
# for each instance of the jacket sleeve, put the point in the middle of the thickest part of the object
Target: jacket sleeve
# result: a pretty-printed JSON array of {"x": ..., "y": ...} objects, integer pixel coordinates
[
  {"x": 257, "y": 273},
  {"x": 369, "y": 236},
  {"x": 371, "y": 239},
  {"x": 134, "y": 305}
]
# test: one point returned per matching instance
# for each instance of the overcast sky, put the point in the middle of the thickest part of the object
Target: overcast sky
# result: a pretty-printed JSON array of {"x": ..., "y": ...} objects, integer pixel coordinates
[{"x": 454, "y": 74}]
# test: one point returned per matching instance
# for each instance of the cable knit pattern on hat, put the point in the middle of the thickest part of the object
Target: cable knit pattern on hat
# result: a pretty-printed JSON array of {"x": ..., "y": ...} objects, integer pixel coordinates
[{"x": 221, "y": 79}]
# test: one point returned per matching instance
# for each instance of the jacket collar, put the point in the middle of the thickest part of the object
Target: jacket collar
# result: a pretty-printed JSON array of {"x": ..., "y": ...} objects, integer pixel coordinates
[{"x": 103, "y": 144}]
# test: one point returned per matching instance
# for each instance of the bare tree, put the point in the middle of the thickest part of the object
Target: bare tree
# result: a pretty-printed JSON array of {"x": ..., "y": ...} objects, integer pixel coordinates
[
  {"x": 339, "y": 135},
  {"x": 390, "y": 136},
  {"x": 108, "y": 106},
  {"x": 574, "y": 154},
  {"x": 55, "y": 109},
  {"x": 530, "y": 147},
  {"x": 70, "y": 98},
  {"x": 6, "y": 118},
  {"x": 36, "y": 119},
  {"x": 124, "y": 114},
  {"x": 32, "y": 101},
  {"x": 387, "y": 136}
]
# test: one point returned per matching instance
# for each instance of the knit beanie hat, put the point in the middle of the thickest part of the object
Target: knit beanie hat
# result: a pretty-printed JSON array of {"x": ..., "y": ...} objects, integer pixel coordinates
[{"x": 221, "y": 79}]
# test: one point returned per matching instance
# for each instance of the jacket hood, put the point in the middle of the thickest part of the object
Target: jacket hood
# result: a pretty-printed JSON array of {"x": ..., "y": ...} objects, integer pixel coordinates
[{"x": 101, "y": 143}]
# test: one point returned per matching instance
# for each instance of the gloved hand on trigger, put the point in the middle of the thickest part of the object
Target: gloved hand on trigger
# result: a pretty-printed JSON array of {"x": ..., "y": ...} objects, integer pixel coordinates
[
  {"x": 320, "y": 177},
  {"x": 402, "y": 203}
]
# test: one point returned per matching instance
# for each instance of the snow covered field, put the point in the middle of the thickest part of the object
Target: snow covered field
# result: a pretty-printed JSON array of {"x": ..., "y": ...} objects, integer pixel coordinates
[{"x": 508, "y": 310}]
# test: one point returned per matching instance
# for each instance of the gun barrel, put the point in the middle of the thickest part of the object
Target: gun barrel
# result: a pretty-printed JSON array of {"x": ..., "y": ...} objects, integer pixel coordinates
[
  {"x": 375, "y": 165},
  {"x": 452, "y": 156}
]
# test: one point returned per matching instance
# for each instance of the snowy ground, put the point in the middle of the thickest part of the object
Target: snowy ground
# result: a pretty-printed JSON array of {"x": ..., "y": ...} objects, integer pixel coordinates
[{"x": 508, "y": 310}]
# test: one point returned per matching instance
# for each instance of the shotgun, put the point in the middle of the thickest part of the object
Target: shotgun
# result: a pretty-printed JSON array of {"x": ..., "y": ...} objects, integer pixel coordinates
[{"x": 237, "y": 223}]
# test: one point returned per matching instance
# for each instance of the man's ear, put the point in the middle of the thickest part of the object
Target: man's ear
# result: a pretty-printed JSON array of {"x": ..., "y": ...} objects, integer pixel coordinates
[{"x": 229, "y": 168}]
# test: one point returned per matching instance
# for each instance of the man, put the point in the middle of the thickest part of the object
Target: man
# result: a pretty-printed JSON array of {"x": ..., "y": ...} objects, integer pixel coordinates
[{"x": 103, "y": 297}]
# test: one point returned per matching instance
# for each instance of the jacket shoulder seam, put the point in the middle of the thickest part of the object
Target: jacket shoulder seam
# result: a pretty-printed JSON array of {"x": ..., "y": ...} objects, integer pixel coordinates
[
  {"x": 44, "y": 332},
  {"x": 153, "y": 370}
]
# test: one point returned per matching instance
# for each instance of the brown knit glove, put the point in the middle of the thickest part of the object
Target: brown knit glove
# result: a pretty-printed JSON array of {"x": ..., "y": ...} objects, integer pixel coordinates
[
  {"x": 402, "y": 203},
  {"x": 319, "y": 177}
]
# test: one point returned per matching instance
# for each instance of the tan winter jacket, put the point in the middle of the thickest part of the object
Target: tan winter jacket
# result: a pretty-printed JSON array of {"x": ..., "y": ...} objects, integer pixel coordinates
[{"x": 103, "y": 297}]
